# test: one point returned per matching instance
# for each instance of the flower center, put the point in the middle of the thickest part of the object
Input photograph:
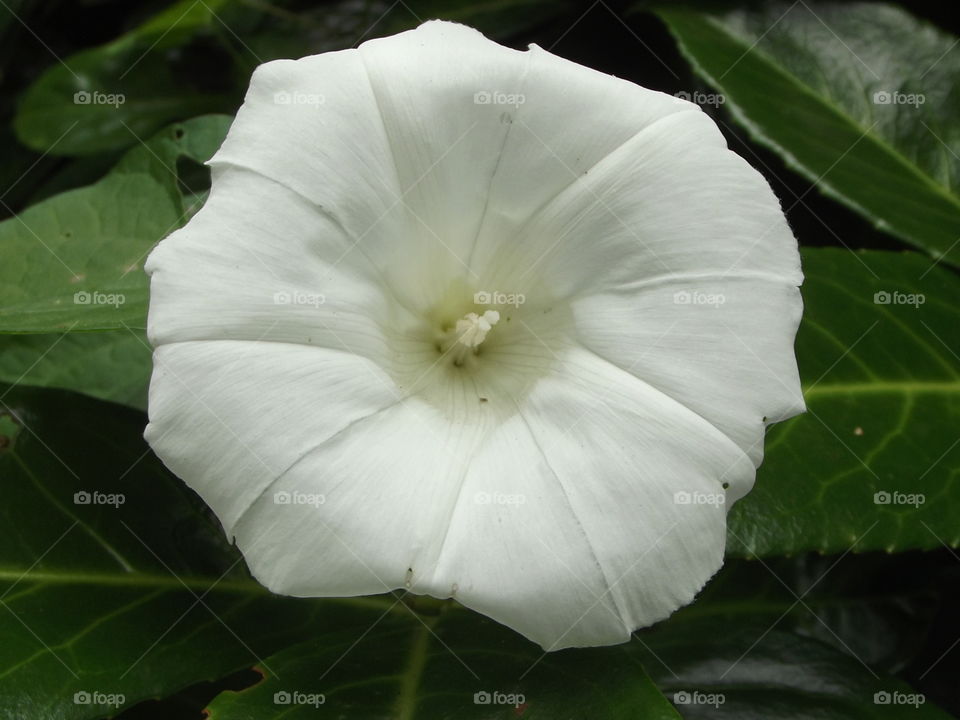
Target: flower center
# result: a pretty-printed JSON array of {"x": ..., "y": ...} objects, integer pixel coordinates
[
  {"x": 475, "y": 354},
  {"x": 462, "y": 341}
]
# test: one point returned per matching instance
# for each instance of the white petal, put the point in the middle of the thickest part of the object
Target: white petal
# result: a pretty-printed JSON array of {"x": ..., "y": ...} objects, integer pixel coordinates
[
  {"x": 387, "y": 483},
  {"x": 231, "y": 416},
  {"x": 396, "y": 149},
  {"x": 429, "y": 84},
  {"x": 429, "y": 160},
  {"x": 670, "y": 202},
  {"x": 726, "y": 353},
  {"x": 572, "y": 118},
  {"x": 673, "y": 211},
  {"x": 313, "y": 125},
  {"x": 558, "y": 520},
  {"x": 599, "y": 547},
  {"x": 258, "y": 262}
]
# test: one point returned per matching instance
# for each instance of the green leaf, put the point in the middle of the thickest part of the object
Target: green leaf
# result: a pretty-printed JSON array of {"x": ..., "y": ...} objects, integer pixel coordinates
[
  {"x": 109, "y": 97},
  {"x": 810, "y": 81},
  {"x": 74, "y": 261},
  {"x": 111, "y": 366},
  {"x": 718, "y": 645},
  {"x": 445, "y": 666},
  {"x": 882, "y": 386},
  {"x": 135, "y": 592},
  {"x": 744, "y": 670},
  {"x": 848, "y": 602}
]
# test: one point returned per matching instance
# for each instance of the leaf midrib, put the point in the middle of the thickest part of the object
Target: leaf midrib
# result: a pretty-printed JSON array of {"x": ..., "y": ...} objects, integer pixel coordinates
[
  {"x": 802, "y": 87},
  {"x": 150, "y": 580},
  {"x": 883, "y": 387},
  {"x": 413, "y": 670},
  {"x": 139, "y": 580}
]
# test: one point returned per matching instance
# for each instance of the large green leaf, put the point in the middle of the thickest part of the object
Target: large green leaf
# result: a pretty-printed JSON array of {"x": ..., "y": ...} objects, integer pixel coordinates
[
  {"x": 136, "y": 598},
  {"x": 107, "y": 97},
  {"x": 74, "y": 261},
  {"x": 832, "y": 87},
  {"x": 882, "y": 385},
  {"x": 723, "y": 669},
  {"x": 807, "y": 638},
  {"x": 110, "y": 365},
  {"x": 846, "y": 601},
  {"x": 746, "y": 638},
  {"x": 453, "y": 665}
]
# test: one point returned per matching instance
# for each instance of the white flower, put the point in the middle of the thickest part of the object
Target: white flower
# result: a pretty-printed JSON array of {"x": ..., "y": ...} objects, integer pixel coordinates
[{"x": 513, "y": 327}]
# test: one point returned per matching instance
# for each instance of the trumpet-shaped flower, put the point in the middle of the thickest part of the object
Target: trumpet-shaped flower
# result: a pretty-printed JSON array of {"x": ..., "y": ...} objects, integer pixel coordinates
[{"x": 478, "y": 323}]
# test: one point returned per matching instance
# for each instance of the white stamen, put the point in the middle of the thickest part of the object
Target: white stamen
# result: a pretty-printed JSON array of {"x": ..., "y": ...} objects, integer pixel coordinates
[{"x": 472, "y": 328}]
